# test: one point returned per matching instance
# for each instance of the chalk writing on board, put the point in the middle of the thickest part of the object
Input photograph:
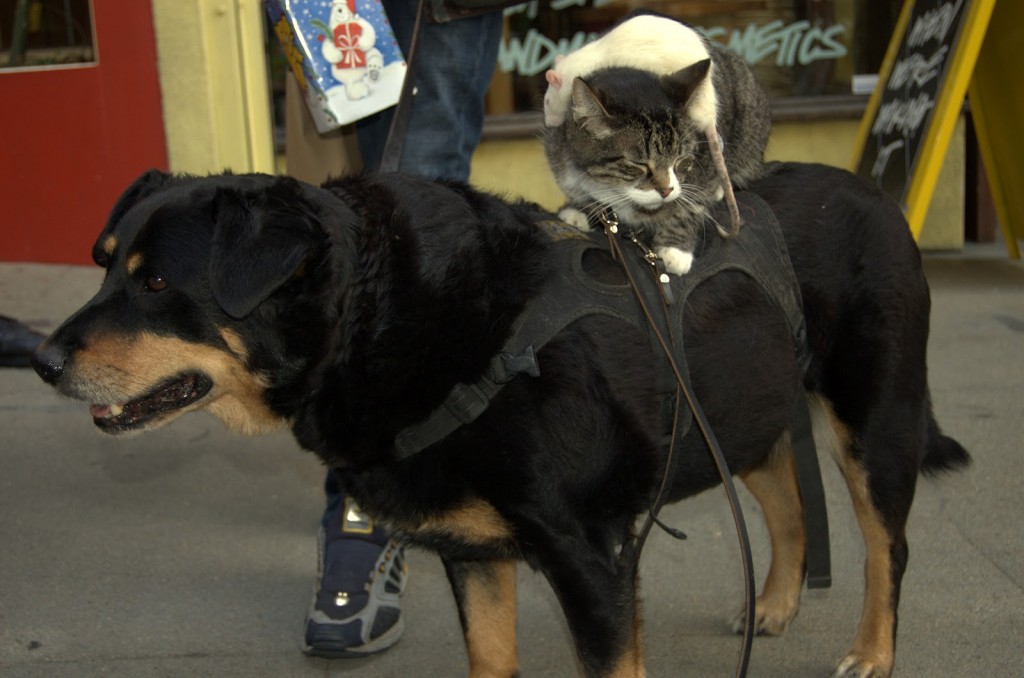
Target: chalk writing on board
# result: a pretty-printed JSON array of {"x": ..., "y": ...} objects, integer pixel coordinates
[
  {"x": 884, "y": 154},
  {"x": 910, "y": 93},
  {"x": 934, "y": 24}
]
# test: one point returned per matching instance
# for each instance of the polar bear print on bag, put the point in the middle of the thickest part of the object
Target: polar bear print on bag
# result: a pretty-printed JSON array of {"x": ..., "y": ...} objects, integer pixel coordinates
[{"x": 349, "y": 48}]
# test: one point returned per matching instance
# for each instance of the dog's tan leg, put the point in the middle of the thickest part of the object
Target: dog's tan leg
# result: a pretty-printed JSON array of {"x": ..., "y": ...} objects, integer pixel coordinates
[
  {"x": 774, "y": 485},
  {"x": 873, "y": 648},
  {"x": 631, "y": 663},
  {"x": 485, "y": 592}
]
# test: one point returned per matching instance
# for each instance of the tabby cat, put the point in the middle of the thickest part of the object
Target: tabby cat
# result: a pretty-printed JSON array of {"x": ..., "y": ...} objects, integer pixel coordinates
[{"x": 639, "y": 142}]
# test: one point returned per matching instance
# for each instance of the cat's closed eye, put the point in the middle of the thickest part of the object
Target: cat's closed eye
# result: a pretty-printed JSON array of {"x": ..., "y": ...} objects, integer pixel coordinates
[
  {"x": 630, "y": 168},
  {"x": 684, "y": 165}
]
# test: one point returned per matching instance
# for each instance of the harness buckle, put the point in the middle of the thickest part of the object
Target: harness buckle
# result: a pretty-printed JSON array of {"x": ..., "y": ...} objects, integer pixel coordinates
[
  {"x": 652, "y": 258},
  {"x": 609, "y": 219},
  {"x": 466, "y": 402},
  {"x": 505, "y": 366}
]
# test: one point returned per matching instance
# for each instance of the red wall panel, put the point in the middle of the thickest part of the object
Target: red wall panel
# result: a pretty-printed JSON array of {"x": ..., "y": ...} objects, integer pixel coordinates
[{"x": 74, "y": 138}]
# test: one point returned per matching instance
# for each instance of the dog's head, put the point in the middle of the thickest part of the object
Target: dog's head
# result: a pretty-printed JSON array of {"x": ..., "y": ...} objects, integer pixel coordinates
[{"x": 202, "y": 278}]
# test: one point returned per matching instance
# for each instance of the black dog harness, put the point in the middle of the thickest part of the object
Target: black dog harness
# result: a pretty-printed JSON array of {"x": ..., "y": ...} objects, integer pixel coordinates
[
  {"x": 759, "y": 252},
  {"x": 571, "y": 293}
]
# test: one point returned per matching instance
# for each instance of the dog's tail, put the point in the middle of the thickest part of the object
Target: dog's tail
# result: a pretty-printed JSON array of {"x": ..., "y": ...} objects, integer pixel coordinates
[{"x": 942, "y": 453}]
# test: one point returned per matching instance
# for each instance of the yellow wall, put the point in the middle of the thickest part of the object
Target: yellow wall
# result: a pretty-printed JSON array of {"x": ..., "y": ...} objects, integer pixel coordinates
[
  {"x": 213, "y": 79},
  {"x": 516, "y": 168}
]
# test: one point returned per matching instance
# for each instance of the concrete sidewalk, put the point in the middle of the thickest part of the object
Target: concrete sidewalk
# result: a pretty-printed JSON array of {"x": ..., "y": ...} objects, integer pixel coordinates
[{"x": 192, "y": 552}]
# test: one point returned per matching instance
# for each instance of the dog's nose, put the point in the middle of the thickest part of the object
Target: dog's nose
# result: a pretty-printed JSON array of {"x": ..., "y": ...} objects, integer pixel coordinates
[{"x": 48, "y": 362}]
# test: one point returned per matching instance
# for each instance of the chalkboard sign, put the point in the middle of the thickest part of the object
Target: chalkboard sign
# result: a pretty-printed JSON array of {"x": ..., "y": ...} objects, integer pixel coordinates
[{"x": 907, "y": 95}]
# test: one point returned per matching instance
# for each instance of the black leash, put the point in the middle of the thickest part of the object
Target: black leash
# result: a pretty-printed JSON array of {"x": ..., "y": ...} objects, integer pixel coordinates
[
  {"x": 818, "y": 558},
  {"x": 611, "y": 224},
  {"x": 391, "y": 156},
  {"x": 816, "y": 521}
]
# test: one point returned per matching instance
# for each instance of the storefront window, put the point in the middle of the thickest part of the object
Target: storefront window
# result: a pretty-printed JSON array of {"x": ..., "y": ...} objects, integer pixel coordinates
[
  {"x": 816, "y": 58},
  {"x": 796, "y": 48},
  {"x": 45, "y": 33}
]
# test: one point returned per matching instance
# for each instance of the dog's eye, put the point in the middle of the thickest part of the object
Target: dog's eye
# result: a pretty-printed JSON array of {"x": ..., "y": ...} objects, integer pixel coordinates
[{"x": 155, "y": 283}]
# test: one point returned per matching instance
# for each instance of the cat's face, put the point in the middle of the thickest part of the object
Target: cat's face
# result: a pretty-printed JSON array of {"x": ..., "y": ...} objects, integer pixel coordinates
[
  {"x": 642, "y": 169},
  {"x": 647, "y": 162}
]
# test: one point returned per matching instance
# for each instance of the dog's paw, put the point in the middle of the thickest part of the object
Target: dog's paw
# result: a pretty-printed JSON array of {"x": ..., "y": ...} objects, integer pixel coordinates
[
  {"x": 677, "y": 262},
  {"x": 765, "y": 624},
  {"x": 774, "y": 609},
  {"x": 862, "y": 665},
  {"x": 575, "y": 218}
]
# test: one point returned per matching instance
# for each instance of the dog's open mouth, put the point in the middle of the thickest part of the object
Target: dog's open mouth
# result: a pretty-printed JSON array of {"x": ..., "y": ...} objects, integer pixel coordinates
[{"x": 171, "y": 395}]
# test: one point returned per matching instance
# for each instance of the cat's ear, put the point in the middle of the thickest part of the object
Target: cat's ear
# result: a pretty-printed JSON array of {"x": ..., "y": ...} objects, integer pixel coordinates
[
  {"x": 682, "y": 84},
  {"x": 588, "y": 111}
]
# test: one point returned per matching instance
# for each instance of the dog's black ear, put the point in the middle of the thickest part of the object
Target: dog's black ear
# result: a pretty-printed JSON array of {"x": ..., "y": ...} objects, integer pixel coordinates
[
  {"x": 261, "y": 240},
  {"x": 147, "y": 184}
]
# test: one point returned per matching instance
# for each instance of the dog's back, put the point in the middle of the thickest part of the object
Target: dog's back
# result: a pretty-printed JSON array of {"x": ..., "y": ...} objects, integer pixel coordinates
[{"x": 859, "y": 270}]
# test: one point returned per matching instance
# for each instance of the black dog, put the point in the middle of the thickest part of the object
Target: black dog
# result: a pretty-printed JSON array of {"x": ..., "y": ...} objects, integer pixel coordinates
[{"x": 349, "y": 312}]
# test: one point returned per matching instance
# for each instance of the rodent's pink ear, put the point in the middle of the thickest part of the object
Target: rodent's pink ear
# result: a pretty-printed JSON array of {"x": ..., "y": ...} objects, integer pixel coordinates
[{"x": 553, "y": 78}]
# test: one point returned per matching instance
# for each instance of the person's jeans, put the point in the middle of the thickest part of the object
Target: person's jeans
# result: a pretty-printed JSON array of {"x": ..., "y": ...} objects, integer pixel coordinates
[{"x": 455, "y": 63}]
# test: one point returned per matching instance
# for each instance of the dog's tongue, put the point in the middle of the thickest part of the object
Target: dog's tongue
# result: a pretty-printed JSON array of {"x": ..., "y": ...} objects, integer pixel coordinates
[{"x": 99, "y": 411}]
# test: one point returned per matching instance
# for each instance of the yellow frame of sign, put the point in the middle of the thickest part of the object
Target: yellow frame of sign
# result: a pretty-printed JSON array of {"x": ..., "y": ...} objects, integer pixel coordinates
[
  {"x": 950, "y": 99},
  {"x": 997, "y": 106}
]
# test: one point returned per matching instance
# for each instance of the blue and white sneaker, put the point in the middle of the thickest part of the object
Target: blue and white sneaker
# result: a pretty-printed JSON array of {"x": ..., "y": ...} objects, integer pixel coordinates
[{"x": 355, "y": 609}]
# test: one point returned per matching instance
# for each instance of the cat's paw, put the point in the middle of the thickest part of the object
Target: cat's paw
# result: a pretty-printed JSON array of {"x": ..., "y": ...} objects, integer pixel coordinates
[
  {"x": 574, "y": 217},
  {"x": 677, "y": 262}
]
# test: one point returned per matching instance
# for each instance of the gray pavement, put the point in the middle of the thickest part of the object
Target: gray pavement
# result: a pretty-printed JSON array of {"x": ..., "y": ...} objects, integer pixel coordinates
[{"x": 192, "y": 552}]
